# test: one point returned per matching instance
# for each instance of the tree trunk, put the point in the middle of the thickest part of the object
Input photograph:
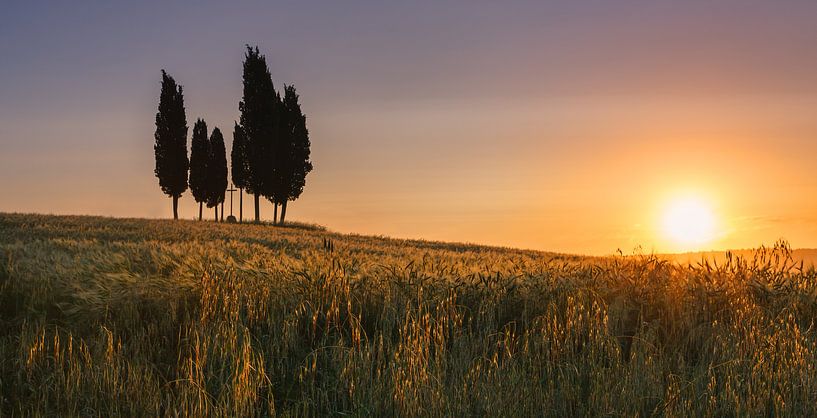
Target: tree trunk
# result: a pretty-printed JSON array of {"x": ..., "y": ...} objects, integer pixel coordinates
[
  {"x": 216, "y": 209},
  {"x": 175, "y": 207},
  {"x": 275, "y": 217},
  {"x": 257, "y": 211},
  {"x": 240, "y": 205},
  {"x": 200, "y": 204},
  {"x": 283, "y": 211},
  {"x": 222, "y": 211}
]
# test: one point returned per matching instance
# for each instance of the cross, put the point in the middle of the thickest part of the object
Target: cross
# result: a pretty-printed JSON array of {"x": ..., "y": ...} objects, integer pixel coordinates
[{"x": 231, "y": 199}]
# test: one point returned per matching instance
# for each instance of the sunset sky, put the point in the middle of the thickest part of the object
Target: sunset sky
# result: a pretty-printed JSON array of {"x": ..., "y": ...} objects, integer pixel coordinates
[{"x": 571, "y": 126}]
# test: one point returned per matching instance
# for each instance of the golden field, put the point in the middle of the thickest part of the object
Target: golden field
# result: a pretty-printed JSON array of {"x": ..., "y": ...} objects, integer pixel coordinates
[{"x": 129, "y": 317}]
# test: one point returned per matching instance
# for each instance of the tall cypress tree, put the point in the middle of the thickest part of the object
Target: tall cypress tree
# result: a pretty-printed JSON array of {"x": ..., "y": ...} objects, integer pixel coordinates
[
  {"x": 171, "y": 142},
  {"x": 216, "y": 171},
  {"x": 278, "y": 190},
  {"x": 239, "y": 170},
  {"x": 199, "y": 157},
  {"x": 297, "y": 165},
  {"x": 258, "y": 107}
]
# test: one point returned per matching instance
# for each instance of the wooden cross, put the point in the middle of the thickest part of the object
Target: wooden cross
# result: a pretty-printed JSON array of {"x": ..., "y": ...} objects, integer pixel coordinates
[{"x": 231, "y": 199}]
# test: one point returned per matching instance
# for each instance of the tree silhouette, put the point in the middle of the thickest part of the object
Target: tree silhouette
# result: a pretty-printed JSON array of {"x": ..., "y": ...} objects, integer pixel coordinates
[
  {"x": 199, "y": 158},
  {"x": 297, "y": 164},
  {"x": 171, "y": 142},
  {"x": 258, "y": 113},
  {"x": 278, "y": 189},
  {"x": 239, "y": 170},
  {"x": 216, "y": 171}
]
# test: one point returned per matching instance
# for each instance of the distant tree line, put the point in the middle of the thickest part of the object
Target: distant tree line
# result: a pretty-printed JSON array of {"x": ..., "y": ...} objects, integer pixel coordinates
[{"x": 270, "y": 150}]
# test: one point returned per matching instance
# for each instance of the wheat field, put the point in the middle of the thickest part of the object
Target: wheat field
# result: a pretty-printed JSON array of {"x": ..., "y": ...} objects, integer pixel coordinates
[{"x": 129, "y": 317}]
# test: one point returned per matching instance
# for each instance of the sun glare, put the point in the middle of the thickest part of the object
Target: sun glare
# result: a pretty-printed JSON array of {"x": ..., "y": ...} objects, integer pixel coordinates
[{"x": 689, "y": 222}]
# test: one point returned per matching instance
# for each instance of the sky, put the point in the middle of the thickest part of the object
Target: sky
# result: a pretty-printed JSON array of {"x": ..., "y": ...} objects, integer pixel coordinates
[{"x": 569, "y": 126}]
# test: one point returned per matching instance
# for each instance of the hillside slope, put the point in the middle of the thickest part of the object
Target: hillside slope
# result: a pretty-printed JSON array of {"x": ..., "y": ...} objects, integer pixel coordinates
[{"x": 144, "y": 317}]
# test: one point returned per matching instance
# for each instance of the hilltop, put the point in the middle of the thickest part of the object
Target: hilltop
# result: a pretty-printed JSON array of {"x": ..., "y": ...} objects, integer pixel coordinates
[{"x": 105, "y": 316}]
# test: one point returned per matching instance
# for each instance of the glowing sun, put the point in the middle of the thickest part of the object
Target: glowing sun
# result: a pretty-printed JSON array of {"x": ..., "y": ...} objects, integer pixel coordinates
[{"x": 689, "y": 222}]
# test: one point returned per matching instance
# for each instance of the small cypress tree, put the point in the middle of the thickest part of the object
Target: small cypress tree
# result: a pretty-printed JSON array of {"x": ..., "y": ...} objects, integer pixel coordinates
[
  {"x": 238, "y": 166},
  {"x": 170, "y": 147},
  {"x": 298, "y": 164},
  {"x": 216, "y": 171},
  {"x": 199, "y": 158}
]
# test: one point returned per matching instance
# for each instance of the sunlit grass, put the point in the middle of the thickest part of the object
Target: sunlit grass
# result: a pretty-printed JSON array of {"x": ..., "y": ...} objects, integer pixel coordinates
[{"x": 107, "y": 317}]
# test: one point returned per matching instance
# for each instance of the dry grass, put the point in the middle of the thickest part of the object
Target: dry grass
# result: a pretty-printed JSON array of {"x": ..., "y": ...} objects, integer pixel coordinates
[{"x": 109, "y": 317}]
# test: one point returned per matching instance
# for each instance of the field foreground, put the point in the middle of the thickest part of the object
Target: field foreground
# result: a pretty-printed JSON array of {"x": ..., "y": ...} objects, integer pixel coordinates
[{"x": 110, "y": 317}]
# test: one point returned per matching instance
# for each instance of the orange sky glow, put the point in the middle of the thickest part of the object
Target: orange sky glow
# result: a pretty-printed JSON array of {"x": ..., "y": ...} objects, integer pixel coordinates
[{"x": 575, "y": 135}]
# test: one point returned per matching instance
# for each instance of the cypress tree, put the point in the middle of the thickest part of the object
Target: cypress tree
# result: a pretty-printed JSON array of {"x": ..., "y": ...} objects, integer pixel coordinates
[
  {"x": 277, "y": 157},
  {"x": 199, "y": 156},
  {"x": 238, "y": 166},
  {"x": 258, "y": 107},
  {"x": 216, "y": 171},
  {"x": 278, "y": 190},
  {"x": 297, "y": 165},
  {"x": 170, "y": 147}
]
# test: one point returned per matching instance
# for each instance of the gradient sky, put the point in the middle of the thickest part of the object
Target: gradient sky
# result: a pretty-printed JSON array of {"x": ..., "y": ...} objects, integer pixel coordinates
[{"x": 562, "y": 126}]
